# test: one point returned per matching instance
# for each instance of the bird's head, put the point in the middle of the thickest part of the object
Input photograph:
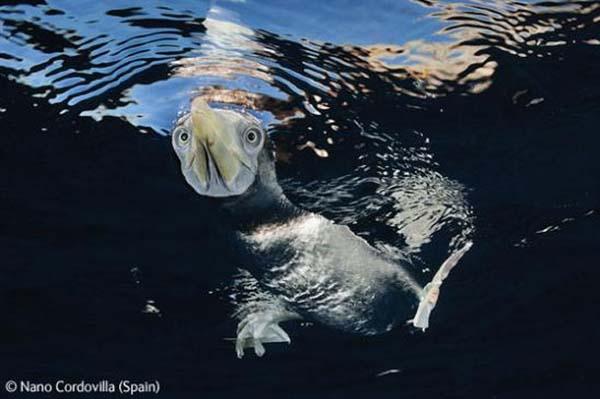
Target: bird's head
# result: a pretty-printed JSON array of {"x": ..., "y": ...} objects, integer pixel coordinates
[{"x": 223, "y": 153}]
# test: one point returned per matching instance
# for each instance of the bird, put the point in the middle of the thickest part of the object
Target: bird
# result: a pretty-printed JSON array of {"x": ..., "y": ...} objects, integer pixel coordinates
[{"x": 309, "y": 267}]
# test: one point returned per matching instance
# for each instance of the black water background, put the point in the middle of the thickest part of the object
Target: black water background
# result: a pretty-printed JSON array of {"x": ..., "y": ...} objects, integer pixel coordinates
[{"x": 80, "y": 210}]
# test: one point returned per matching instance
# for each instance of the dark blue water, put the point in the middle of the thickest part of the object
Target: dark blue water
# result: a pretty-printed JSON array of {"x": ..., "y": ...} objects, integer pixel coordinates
[{"x": 420, "y": 124}]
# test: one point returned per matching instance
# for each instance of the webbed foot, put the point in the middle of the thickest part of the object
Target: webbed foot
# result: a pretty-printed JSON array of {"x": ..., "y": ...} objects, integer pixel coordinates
[
  {"x": 431, "y": 292},
  {"x": 260, "y": 328}
]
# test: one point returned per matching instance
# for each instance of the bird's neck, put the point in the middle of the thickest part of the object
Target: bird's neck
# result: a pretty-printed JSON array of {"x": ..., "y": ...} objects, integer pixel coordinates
[{"x": 264, "y": 204}]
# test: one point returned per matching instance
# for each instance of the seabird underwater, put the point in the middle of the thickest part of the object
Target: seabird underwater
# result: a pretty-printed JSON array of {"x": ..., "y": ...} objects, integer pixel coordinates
[
  {"x": 316, "y": 208},
  {"x": 310, "y": 267}
]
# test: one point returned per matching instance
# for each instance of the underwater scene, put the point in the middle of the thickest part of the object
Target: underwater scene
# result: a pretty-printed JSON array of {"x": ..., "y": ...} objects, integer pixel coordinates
[{"x": 215, "y": 199}]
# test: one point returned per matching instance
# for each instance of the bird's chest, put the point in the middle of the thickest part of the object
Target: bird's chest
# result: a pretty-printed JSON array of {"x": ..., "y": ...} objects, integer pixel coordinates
[
  {"x": 277, "y": 250},
  {"x": 322, "y": 270}
]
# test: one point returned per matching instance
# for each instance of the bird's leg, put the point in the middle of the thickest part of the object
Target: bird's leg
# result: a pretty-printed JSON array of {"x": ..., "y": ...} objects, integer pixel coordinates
[
  {"x": 261, "y": 327},
  {"x": 431, "y": 291},
  {"x": 259, "y": 313}
]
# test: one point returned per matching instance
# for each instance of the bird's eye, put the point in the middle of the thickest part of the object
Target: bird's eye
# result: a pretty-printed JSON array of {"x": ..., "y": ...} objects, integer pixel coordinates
[
  {"x": 252, "y": 136},
  {"x": 181, "y": 136}
]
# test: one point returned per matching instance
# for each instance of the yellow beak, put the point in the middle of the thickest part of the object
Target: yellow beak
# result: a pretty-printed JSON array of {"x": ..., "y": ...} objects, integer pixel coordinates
[{"x": 216, "y": 141}]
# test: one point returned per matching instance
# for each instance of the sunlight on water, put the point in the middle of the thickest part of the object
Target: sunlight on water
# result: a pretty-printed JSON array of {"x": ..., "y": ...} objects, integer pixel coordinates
[
  {"x": 143, "y": 64},
  {"x": 113, "y": 66}
]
